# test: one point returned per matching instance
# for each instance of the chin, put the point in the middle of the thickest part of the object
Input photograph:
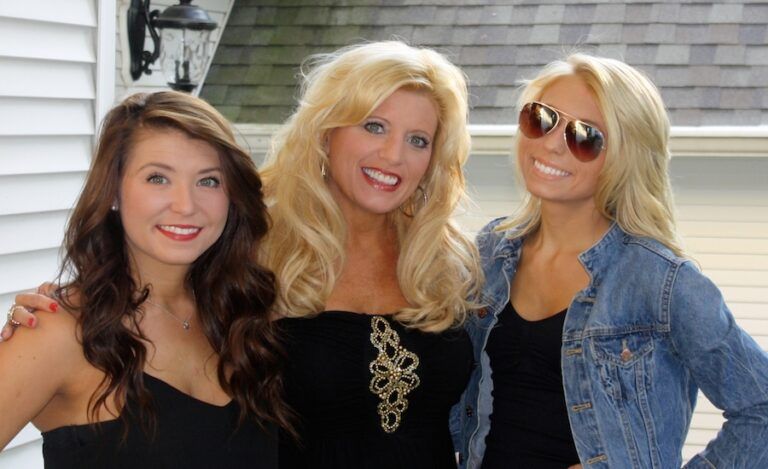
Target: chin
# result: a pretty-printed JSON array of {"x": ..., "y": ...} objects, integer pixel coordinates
[
  {"x": 180, "y": 258},
  {"x": 380, "y": 207},
  {"x": 384, "y": 211},
  {"x": 547, "y": 194}
]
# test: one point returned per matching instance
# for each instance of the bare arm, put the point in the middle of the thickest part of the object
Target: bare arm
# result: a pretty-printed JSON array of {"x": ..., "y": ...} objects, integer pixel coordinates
[{"x": 34, "y": 368}]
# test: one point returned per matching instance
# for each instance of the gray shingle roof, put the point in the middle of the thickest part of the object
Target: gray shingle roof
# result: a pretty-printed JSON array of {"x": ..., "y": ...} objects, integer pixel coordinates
[{"x": 710, "y": 60}]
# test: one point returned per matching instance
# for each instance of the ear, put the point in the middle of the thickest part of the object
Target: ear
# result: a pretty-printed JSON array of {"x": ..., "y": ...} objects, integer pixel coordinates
[{"x": 326, "y": 139}]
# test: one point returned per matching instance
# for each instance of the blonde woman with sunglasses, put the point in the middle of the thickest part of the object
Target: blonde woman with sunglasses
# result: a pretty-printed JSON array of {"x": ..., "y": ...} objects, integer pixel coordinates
[{"x": 598, "y": 332}]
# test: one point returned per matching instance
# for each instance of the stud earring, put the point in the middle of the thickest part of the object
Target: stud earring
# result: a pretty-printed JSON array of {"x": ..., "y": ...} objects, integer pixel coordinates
[{"x": 323, "y": 171}]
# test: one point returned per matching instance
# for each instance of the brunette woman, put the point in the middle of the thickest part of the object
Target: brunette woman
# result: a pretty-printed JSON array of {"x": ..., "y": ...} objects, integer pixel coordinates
[{"x": 162, "y": 353}]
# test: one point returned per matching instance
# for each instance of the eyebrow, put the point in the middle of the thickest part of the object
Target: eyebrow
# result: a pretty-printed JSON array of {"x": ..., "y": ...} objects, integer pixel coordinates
[{"x": 169, "y": 168}]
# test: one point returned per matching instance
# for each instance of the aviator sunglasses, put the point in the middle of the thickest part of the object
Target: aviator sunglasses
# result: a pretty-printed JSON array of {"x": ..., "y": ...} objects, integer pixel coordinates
[{"x": 585, "y": 141}]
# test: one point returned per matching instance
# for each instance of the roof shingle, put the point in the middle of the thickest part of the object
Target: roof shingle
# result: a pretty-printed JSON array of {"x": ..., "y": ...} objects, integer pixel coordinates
[{"x": 710, "y": 59}]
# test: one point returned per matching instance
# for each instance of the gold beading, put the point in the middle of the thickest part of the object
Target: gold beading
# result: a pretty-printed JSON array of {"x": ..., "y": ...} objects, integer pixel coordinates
[{"x": 393, "y": 373}]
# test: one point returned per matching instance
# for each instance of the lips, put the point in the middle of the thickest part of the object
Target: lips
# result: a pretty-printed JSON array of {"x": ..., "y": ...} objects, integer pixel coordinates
[
  {"x": 179, "y": 232},
  {"x": 380, "y": 179}
]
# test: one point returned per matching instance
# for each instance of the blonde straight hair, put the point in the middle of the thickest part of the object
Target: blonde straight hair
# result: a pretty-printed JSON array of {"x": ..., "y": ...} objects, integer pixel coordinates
[
  {"x": 437, "y": 268},
  {"x": 634, "y": 188}
]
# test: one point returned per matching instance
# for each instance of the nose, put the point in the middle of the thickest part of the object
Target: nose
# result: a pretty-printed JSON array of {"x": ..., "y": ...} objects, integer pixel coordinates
[
  {"x": 393, "y": 149},
  {"x": 183, "y": 199},
  {"x": 554, "y": 141}
]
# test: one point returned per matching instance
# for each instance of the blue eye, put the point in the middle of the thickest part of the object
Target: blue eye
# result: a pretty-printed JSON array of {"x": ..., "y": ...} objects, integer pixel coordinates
[
  {"x": 209, "y": 182},
  {"x": 157, "y": 179},
  {"x": 374, "y": 127},
  {"x": 418, "y": 142}
]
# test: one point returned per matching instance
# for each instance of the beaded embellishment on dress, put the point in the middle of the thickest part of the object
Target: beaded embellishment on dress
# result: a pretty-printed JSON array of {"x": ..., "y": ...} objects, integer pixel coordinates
[{"x": 393, "y": 373}]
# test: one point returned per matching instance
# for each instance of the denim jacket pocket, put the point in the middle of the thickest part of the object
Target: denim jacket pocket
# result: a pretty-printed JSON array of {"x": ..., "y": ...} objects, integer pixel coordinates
[{"x": 623, "y": 362}]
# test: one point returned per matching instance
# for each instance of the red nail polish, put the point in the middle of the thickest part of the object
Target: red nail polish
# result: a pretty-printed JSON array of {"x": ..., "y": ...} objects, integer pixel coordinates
[
  {"x": 31, "y": 322},
  {"x": 53, "y": 307}
]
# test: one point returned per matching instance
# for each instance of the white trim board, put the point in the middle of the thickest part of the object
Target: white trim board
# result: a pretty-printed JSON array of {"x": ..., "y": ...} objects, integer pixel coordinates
[{"x": 498, "y": 140}]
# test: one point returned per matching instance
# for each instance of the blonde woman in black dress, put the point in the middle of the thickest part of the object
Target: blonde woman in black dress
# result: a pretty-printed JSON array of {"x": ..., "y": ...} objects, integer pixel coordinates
[{"x": 373, "y": 275}]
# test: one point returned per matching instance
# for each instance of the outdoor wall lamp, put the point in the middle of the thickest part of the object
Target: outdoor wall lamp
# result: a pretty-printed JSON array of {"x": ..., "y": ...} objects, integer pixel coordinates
[{"x": 181, "y": 43}]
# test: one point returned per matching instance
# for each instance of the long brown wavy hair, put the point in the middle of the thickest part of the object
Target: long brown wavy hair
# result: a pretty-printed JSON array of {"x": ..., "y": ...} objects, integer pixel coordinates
[{"x": 233, "y": 293}]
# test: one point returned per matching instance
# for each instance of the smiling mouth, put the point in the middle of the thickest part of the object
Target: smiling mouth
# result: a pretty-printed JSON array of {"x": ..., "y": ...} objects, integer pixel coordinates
[
  {"x": 381, "y": 178},
  {"x": 541, "y": 167},
  {"x": 180, "y": 232}
]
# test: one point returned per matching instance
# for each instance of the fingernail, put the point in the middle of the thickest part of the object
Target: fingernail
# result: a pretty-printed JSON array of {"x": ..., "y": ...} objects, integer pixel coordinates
[
  {"x": 31, "y": 322},
  {"x": 53, "y": 307}
]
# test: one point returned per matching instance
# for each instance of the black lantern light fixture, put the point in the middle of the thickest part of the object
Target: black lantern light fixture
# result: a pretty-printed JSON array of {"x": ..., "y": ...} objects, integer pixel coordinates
[{"x": 180, "y": 35}]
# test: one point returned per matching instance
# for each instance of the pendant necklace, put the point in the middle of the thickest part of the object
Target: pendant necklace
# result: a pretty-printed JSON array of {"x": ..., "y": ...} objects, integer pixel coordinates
[{"x": 184, "y": 322}]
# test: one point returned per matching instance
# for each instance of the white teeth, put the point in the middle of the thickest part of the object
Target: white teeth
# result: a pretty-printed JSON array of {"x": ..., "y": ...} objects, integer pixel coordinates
[
  {"x": 549, "y": 169},
  {"x": 381, "y": 177},
  {"x": 178, "y": 230}
]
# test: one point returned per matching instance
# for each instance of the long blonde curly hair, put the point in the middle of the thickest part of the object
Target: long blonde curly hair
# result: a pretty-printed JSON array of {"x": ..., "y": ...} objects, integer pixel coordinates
[
  {"x": 437, "y": 268},
  {"x": 634, "y": 188}
]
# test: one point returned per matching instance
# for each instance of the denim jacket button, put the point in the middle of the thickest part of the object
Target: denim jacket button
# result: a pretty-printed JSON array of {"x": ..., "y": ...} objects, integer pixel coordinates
[
  {"x": 482, "y": 312},
  {"x": 469, "y": 411}
]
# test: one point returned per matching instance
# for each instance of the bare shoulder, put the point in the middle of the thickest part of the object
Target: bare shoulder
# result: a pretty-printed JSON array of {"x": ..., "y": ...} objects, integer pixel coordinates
[
  {"x": 36, "y": 366},
  {"x": 52, "y": 343}
]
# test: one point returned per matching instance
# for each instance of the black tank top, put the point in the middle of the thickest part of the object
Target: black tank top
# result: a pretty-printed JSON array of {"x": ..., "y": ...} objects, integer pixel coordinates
[
  {"x": 190, "y": 434},
  {"x": 529, "y": 424}
]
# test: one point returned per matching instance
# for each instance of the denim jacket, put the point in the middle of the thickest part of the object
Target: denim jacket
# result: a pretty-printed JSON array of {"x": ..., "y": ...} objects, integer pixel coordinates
[{"x": 638, "y": 342}]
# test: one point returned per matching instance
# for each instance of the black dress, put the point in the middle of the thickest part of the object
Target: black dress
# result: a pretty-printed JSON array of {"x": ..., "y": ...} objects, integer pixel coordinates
[
  {"x": 334, "y": 361},
  {"x": 190, "y": 434}
]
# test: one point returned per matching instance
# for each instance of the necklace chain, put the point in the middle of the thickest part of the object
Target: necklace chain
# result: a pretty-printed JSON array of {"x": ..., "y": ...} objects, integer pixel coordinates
[{"x": 184, "y": 322}]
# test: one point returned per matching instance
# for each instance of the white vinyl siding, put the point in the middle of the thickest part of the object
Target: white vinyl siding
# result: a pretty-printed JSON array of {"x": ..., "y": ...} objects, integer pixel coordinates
[
  {"x": 720, "y": 181},
  {"x": 55, "y": 78}
]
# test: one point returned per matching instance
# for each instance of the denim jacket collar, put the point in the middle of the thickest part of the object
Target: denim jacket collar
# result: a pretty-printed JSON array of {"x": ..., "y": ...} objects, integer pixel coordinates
[
  {"x": 593, "y": 259},
  {"x": 597, "y": 258}
]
